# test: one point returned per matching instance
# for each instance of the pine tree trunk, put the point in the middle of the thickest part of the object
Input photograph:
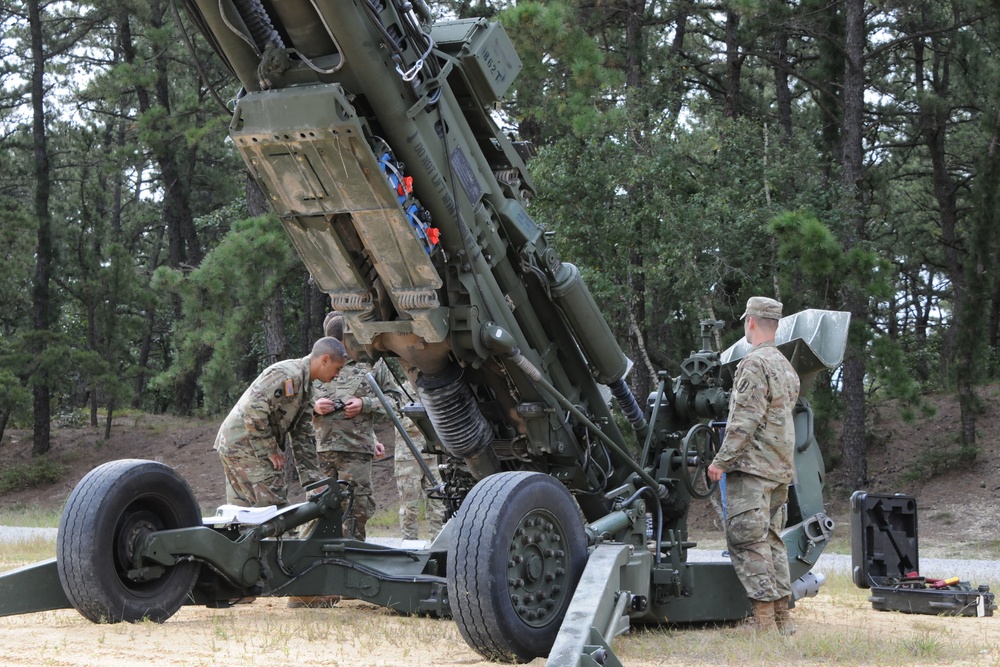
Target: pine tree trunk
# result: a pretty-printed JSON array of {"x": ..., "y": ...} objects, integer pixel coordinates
[
  {"x": 4, "y": 417},
  {"x": 734, "y": 66},
  {"x": 854, "y": 440},
  {"x": 146, "y": 347},
  {"x": 41, "y": 295},
  {"x": 275, "y": 340},
  {"x": 782, "y": 91}
]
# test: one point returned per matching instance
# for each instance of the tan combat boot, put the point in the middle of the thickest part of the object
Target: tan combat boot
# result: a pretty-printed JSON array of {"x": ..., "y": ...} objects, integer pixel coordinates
[
  {"x": 762, "y": 618},
  {"x": 783, "y": 617}
]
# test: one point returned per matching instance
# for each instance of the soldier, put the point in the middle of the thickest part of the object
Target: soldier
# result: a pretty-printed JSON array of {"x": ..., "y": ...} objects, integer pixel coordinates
[
  {"x": 345, "y": 440},
  {"x": 411, "y": 483},
  {"x": 757, "y": 458},
  {"x": 251, "y": 440}
]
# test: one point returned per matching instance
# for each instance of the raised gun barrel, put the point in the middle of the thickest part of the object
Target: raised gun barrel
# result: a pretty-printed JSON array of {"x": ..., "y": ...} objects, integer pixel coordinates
[{"x": 369, "y": 130}]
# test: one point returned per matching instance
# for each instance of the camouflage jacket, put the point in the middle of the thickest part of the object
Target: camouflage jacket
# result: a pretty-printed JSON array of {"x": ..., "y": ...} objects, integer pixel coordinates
[
  {"x": 335, "y": 433},
  {"x": 760, "y": 433},
  {"x": 277, "y": 404}
]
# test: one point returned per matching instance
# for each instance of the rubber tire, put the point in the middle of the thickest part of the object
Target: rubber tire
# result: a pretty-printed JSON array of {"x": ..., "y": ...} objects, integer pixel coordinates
[
  {"x": 89, "y": 546},
  {"x": 478, "y": 587}
]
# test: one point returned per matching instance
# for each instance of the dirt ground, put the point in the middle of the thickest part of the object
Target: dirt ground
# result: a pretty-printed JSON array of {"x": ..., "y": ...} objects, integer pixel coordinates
[
  {"x": 839, "y": 629},
  {"x": 959, "y": 518}
]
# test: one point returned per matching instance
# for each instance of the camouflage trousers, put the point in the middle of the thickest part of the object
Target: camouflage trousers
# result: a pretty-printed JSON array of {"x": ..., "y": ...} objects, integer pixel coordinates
[
  {"x": 755, "y": 516},
  {"x": 411, "y": 483},
  {"x": 352, "y": 467},
  {"x": 252, "y": 481}
]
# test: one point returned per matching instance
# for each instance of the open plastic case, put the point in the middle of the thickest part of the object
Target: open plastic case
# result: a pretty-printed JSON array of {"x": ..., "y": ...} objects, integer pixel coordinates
[{"x": 885, "y": 559}]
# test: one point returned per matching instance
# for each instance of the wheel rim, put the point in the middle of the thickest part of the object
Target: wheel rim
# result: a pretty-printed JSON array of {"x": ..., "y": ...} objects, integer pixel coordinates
[
  {"x": 536, "y": 568},
  {"x": 136, "y": 521}
]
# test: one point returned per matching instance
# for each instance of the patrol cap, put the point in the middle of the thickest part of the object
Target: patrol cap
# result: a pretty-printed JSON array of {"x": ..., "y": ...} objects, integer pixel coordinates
[{"x": 761, "y": 306}]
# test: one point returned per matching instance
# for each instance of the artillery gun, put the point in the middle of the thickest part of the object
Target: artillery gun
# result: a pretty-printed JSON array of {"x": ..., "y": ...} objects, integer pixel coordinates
[{"x": 367, "y": 125}]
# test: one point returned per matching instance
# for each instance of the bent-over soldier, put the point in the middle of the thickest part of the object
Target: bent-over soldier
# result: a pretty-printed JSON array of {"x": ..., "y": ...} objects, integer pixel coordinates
[{"x": 278, "y": 404}]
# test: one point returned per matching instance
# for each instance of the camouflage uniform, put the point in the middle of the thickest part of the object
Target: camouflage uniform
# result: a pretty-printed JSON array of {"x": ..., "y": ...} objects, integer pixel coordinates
[
  {"x": 346, "y": 446},
  {"x": 411, "y": 483},
  {"x": 757, "y": 456},
  {"x": 277, "y": 404}
]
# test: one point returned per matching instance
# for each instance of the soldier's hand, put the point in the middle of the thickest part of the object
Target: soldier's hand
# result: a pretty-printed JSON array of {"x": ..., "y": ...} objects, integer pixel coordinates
[
  {"x": 352, "y": 407},
  {"x": 715, "y": 473},
  {"x": 379, "y": 450},
  {"x": 324, "y": 406},
  {"x": 277, "y": 460}
]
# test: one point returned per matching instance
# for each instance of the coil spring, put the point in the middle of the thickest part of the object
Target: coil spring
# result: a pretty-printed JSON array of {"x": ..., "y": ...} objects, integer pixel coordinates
[
  {"x": 448, "y": 400},
  {"x": 258, "y": 23}
]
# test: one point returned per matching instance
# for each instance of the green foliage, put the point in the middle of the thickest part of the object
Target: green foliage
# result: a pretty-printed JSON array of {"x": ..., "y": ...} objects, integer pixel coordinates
[
  {"x": 892, "y": 374},
  {"x": 221, "y": 303},
  {"x": 806, "y": 245},
  {"x": 38, "y": 471},
  {"x": 931, "y": 462},
  {"x": 563, "y": 68}
]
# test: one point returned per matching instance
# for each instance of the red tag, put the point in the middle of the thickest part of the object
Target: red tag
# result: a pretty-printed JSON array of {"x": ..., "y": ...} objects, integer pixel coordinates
[{"x": 289, "y": 388}]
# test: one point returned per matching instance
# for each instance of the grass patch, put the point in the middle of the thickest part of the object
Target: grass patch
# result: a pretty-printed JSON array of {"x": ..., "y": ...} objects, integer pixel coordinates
[
  {"x": 42, "y": 470},
  {"x": 385, "y": 523},
  {"x": 840, "y": 541},
  {"x": 838, "y": 627},
  {"x": 27, "y": 551},
  {"x": 32, "y": 516}
]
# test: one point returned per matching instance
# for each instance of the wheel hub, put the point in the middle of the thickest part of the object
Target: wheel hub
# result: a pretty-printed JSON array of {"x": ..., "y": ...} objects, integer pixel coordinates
[
  {"x": 536, "y": 568},
  {"x": 132, "y": 529}
]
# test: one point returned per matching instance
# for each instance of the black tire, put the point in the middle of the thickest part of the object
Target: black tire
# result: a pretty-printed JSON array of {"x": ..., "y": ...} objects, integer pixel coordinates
[
  {"x": 516, "y": 556},
  {"x": 111, "y": 507}
]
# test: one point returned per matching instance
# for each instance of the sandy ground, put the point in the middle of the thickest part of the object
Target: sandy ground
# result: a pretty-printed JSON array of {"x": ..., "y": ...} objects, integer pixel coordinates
[{"x": 838, "y": 626}]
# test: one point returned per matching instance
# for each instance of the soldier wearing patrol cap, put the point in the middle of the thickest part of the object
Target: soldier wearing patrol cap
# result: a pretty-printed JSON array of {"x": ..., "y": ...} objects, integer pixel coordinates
[
  {"x": 251, "y": 440},
  {"x": 756, "y": 456},
  {"x": 345, "y": 439}
]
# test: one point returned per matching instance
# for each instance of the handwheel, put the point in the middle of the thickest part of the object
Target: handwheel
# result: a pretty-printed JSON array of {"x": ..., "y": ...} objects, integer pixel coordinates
[
  {"x": 513, "y": 564},
  {"x": 108, "y": 513},
  {"x": 701, "y": 444}
]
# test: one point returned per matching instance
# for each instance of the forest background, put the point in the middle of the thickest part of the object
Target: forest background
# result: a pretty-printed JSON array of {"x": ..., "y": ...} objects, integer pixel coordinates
[{"x": 833, "y": 154}]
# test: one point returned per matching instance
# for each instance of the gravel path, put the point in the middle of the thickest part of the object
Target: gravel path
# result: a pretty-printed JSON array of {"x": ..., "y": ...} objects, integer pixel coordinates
[{"x": 9, "y": 534}]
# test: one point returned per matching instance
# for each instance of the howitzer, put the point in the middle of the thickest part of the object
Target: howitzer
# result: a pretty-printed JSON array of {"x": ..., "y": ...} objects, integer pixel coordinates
[{"x": 368, "y": 128}]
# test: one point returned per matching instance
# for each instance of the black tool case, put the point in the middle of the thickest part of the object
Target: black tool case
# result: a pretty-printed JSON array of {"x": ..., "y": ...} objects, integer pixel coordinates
[{"x": 884, "y": 558}]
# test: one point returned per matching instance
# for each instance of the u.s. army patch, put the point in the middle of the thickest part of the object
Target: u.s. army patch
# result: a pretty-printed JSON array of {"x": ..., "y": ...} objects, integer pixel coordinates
[
  {"x": 743, "y": 386},
  {"x": 289, "y": 388}
]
